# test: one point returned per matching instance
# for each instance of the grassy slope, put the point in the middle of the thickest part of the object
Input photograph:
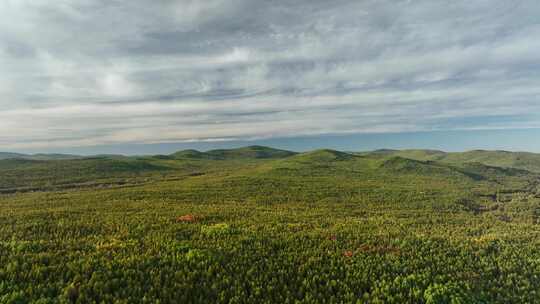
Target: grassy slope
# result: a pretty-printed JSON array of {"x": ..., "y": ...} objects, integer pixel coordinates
[{"x": 311, "y": 226}]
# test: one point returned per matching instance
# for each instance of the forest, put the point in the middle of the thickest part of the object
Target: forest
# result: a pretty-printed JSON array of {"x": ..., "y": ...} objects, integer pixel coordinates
[{"x": 263, "y": 225}]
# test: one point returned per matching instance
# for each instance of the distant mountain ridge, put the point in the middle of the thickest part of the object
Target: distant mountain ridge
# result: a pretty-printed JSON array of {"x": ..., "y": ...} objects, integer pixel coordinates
[
  {"x": 249, "y": 152},
  {"x": 8, "y": 155},
  {"x": 60, "y": 171},
  {"x": 323, "y": 155},
  {"x": 39, "y": 156},
  {"x": 504, "y": 159}
]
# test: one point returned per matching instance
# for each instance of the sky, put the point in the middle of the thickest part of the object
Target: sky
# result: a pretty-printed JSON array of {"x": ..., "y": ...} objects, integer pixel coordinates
[{"x": 99, "y": 76}]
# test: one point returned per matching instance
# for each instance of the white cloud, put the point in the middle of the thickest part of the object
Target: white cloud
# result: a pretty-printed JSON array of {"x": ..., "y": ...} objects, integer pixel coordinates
[
  {"x": 115, "y": 85},
  {"x": 237, "y": 55}
]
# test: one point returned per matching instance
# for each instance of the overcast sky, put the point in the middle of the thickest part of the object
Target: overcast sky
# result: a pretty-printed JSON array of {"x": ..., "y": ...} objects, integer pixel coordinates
[{"x": 82, "y": 73}]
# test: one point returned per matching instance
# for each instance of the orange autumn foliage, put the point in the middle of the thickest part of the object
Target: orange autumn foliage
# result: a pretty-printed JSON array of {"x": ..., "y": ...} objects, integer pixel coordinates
[{"x": 188, "y": 218}]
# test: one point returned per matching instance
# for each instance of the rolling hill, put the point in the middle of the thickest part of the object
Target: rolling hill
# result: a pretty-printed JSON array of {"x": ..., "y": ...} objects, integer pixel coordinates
[
  {"x": 477, "y": 167},
  {"x": 505, "y": 159}
]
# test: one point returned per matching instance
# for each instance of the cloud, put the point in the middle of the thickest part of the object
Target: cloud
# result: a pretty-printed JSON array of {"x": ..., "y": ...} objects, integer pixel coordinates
[
  {"x": 89, "y": 72},
  {"x": 115, "y": 85}
]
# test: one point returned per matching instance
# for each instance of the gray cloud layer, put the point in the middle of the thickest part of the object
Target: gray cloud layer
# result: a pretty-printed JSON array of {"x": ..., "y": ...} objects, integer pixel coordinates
[{"x": 91, "y": 72}]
